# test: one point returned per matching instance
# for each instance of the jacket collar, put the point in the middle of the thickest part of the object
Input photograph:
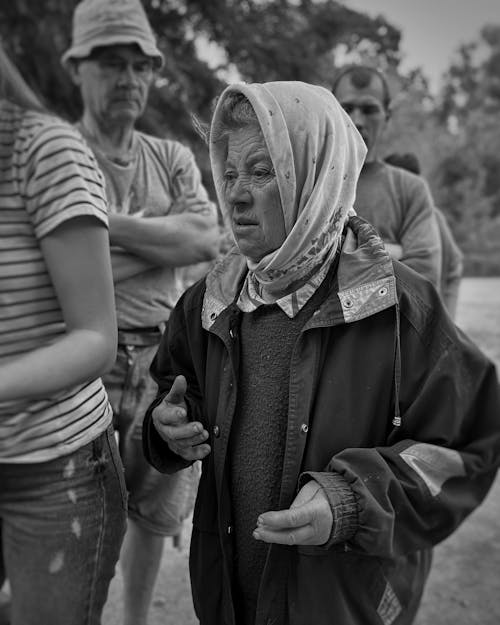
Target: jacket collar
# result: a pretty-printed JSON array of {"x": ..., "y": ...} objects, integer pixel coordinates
[{"x": 365, "y": 280}]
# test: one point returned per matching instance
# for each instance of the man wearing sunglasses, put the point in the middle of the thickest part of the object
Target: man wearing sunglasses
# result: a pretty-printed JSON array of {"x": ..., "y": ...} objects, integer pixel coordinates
[
  {"x": 160, "y": 220},
  {"x": 396, "y": 202}
]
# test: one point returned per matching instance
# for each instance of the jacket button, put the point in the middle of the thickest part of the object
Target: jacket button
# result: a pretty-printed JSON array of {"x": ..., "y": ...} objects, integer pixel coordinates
[
  {"x": 216, "y": 431},
  {"x": 304, "y": 428}
]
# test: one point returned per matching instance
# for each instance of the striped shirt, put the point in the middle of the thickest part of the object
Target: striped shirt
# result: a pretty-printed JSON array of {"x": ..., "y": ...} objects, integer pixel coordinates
[{"x": 47, "y": 176}]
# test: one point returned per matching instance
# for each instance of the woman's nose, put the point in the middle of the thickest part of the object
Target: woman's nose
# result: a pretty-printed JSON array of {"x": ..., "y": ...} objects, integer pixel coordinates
[{"x": 239, "y": 192}]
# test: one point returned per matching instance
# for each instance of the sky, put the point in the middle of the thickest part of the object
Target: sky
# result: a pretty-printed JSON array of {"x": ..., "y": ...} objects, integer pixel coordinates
[{"x": 432, "y": 30}]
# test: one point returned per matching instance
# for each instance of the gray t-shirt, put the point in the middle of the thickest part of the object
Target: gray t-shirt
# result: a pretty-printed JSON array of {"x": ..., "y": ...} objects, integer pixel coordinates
[
  {"x": 400, "y": 206},
  {"x": 161, "y": 172}
]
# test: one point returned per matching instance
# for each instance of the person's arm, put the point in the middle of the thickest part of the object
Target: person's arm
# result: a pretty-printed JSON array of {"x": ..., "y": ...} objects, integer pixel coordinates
[
  {"x": 188, "y": 234},
  {"x": 172, "y": 240},
  {"x": 419, "y": 236},
  {"x": 395, "y": 251},
  {"x": 126, "y": 265},
  {"x": 77, "y": 257},
  {"x": 434, "y": 470},
  {"x": 452, "y": 268}
]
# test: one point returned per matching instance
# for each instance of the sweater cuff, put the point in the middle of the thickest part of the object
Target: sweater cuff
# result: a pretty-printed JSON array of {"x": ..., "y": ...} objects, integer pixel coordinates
[{"x": 342, "y": 503}]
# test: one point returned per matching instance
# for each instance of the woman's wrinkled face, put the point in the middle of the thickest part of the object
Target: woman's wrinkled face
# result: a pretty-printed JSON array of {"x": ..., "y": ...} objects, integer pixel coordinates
[{"x": 251, "y": 194}]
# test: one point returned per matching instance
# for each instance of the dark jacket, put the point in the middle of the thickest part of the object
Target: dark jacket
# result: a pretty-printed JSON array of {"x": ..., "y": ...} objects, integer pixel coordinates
[{"x": 379, "y": 350}]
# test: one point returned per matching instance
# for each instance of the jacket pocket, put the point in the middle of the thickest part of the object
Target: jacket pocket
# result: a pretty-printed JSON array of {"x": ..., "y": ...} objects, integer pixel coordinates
[{"x": 326, "y": 587}]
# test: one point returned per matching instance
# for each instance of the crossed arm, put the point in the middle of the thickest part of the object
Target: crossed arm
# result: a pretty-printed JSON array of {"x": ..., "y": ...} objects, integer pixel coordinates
[{"x": 139, "y": 243}]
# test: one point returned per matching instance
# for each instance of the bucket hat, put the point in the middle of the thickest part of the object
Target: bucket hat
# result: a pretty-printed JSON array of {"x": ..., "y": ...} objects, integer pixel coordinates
[{"x": 99, "y": 23}]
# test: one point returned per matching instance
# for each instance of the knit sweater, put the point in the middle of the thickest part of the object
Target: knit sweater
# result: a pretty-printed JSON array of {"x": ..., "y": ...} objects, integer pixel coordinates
[{"x": 267, "y": 339}]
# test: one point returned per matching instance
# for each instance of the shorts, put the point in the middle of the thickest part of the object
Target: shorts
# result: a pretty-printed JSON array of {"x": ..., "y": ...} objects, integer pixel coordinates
[{"x": 157, "y": 502}]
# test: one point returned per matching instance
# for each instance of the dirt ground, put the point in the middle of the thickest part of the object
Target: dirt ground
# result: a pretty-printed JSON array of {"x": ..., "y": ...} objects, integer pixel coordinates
[{"x": 464, "y": 585}]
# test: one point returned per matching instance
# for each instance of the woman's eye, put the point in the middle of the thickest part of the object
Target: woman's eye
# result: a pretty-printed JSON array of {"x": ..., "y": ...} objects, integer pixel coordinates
[
  {"x": 229, "y": 176},
  {"x": 262, "y": 173}
]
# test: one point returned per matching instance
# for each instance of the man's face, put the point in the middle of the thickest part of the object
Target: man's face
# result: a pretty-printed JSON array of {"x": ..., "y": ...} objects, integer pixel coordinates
[
  {"x": 114, "y": 83},
  {"x": 364, "y": 103}
]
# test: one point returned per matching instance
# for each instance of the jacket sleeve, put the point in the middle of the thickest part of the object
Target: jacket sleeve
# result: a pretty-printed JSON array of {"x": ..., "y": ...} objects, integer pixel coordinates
[
  {"x": 435, "y": 468},
  {"x": 173, "y": 358}
]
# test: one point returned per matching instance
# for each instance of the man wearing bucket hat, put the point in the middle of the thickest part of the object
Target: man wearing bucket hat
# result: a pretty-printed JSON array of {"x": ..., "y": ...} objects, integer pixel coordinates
[{"x": 160, "y": 219}]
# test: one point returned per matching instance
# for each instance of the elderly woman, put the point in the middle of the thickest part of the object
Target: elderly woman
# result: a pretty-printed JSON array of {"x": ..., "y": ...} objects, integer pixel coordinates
[{"x": 345, "y": 425}]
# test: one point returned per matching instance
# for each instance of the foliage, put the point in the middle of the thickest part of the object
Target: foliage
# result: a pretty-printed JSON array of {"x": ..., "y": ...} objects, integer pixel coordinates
[
  {"x": 263, "y": 40},
  {"x": 473, "y": 79},
  {"x": 467, "y": 178},
  {"x": 206, "y": 43},
  {"x": 254, "y": 39},
  {"x": 285, "y": 40}
]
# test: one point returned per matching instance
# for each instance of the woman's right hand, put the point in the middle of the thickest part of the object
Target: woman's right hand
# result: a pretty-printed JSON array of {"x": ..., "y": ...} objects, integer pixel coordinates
[{"x": 185, "y": 438}]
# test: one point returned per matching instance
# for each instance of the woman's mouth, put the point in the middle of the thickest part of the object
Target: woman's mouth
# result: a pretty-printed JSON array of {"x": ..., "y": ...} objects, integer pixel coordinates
[{"x": 243, "y": 222}]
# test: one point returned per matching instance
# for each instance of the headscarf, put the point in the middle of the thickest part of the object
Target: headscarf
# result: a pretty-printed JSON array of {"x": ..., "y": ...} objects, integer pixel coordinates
[{"x": 317, "y": 155}]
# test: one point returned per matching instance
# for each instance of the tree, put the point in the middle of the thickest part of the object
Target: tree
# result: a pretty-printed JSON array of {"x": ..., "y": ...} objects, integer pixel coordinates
[
  {"x": 473, "y": 79},
  {"x": 467, "y": 176},
  {"x": 259, "y": 40},
  {"x": 263, "y": 40}
]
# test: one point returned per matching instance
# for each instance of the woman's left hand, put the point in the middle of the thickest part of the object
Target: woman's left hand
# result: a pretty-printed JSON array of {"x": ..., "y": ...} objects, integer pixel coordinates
[{"x": 308, "y": 521}]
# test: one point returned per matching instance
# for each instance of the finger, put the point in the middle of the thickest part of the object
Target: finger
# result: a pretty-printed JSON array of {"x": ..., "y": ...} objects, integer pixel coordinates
[
  {"x": 183, "y": 431},
  {"x": 187, "y": 441},
  {"x": 301, "y": 536},
  {"x": 181, "y": 436},
  {"x": 192, "y": 453},
  {"x": 177, "y": 391},
  {"x": 170, "y": 414},
  {"x": 283, "y": 519}
]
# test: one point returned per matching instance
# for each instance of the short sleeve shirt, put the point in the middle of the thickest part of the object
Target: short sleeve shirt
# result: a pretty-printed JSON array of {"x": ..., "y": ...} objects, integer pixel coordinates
[{"x": 47, "y": 176}]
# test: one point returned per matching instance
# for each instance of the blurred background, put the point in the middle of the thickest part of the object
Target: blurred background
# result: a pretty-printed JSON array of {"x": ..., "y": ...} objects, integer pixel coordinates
[{"x": 442, "y": 58}]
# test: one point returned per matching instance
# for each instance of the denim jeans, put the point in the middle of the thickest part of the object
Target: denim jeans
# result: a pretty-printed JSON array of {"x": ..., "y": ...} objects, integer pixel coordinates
[{"x": 62, "y": 525}]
